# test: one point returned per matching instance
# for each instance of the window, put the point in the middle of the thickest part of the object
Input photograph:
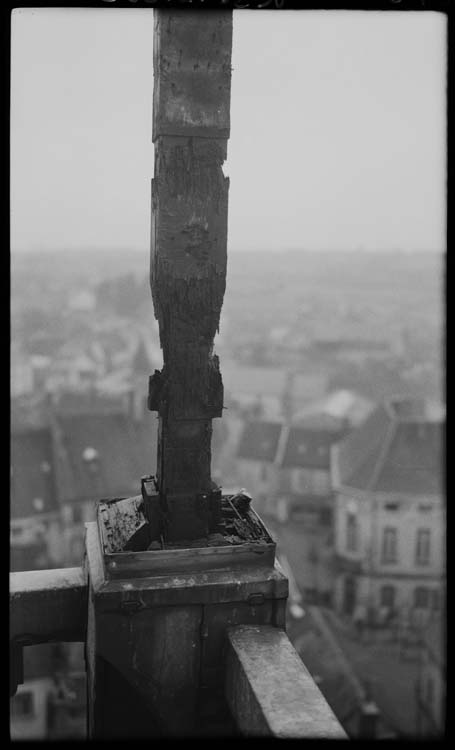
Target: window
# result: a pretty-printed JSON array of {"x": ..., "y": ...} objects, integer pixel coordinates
[
  {"x": 389, "y": 545},
  {"x": 387, "y": 596},
  {"x": 326, "y": 516},
  {"x": 351, "y": 532},
  {"x": 302, "y": 483},
  {"x": 421, "y": 597},
  {"x": 22, "y": 704},
  {"x": 391, "y": 506},
  {"x": 423, "y": 547},
  {"x": 77, "y": 514},
  {"x": 435, "y": 599},
  {"x": 321, "y": 482}
]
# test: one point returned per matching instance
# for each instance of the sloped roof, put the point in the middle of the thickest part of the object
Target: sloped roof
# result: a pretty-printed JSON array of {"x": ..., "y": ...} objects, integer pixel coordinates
[
  {"x": 392, "y": 453},
  {"x": 319, "y": 421},
  {"x": 33, "y": 490},
  {"x": 308, "y": 448},
  {"x": 125, "y": 451},
  {"x": 75, "y": 402},
  {"x": 259, "y": 441}
]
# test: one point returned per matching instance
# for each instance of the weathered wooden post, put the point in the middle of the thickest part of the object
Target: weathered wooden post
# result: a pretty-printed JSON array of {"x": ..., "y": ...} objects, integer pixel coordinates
[
  {"x": 192, "y": 66},
  {"x": 171, "y": 570}
]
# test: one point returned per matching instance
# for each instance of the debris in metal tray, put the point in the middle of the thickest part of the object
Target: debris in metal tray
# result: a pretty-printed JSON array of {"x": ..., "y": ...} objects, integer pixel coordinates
[
  {"x": 125, "y": 527},
  {"x": 120, "y": 519}
]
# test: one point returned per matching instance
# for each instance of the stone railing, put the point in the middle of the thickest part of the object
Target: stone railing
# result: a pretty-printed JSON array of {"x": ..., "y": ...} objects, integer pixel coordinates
[
  {"x": 46, "y": 606},
  {"x": 267, "y": 687},
  {"x": 270, "y": 691}
]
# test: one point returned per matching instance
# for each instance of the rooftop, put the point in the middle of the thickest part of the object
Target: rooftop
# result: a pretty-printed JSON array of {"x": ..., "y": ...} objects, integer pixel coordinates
[
  {"x": 309, "y": 448},
  {"x": 77, "y": 457},
  {"x": 33, "y": 489},
  {"x": 397, "y": 449},
  {"x": 259, "y": 441},
  {"x": 125, "y": 451}
]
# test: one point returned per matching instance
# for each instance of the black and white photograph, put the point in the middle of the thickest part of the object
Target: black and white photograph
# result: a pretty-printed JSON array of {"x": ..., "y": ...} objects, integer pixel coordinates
[{"x": 228, "y": 243}]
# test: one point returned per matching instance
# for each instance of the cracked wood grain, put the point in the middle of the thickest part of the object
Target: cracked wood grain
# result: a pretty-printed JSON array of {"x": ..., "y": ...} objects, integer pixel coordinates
[{"x": 192, "y": 64}]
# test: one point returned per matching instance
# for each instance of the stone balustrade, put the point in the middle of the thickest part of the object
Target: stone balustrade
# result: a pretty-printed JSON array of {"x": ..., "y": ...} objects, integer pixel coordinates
[{"x": 268, "y": 689}]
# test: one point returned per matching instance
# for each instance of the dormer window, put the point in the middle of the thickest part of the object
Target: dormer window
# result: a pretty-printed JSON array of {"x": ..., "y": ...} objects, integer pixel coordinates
[{"x": 423, "y": 547}]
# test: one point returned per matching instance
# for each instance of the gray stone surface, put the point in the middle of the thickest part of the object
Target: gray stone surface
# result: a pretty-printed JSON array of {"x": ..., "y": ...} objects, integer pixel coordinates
[{"x": 270, "y": 691}]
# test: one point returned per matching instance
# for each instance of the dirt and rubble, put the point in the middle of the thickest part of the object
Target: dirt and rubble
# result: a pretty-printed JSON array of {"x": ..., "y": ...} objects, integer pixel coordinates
[
  {"x": 238, "y": 525},
  {"x": 125, "y": 527}
]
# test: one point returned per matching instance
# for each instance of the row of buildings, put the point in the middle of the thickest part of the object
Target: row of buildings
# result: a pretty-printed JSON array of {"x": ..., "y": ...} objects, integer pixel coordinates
[
  {"x": 68, "y": 450},
  {"x": 371, "y": 475},
  {"x": 374, "y": 478},
  {"x": 378, "y": 484},
  {"x": 59, "y": 470}
]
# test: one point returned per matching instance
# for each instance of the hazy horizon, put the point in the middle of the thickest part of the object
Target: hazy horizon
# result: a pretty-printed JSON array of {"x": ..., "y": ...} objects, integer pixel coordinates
[
  {"x": 338, "y": 134},
  {"x": 137, "y": 251}
]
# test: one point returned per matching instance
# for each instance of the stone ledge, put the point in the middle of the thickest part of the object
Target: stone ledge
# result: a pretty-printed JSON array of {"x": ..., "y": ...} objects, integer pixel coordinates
[
  {"x": 48, "y": 605},
  {"x": 270, "y": 691}
]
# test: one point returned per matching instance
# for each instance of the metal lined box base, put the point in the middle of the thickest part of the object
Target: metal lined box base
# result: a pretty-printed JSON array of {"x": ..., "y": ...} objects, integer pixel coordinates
[{"x": 118, "y": 520}]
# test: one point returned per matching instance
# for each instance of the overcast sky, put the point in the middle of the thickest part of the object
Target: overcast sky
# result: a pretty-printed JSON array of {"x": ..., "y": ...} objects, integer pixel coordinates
[{"x": 338, "y": 134}]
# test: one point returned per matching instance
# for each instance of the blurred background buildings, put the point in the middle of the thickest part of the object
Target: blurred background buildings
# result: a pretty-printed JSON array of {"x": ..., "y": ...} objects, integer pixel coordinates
[{"x": 339, "y": 441}]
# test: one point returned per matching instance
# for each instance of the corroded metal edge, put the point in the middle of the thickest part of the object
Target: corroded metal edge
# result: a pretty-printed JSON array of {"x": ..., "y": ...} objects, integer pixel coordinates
[{"x": 201, "y": 587}]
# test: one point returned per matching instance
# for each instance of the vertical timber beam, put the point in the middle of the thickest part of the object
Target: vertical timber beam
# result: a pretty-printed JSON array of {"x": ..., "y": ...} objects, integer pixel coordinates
[{"x": 191, "y": 103}]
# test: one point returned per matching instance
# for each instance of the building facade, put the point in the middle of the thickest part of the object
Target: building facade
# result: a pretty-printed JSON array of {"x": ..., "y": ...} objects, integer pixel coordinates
[
  {"x": 390, "y": 515},
  {"x": 256, "y": 458},
  {"x": 287, "y": 467}
]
